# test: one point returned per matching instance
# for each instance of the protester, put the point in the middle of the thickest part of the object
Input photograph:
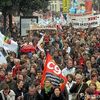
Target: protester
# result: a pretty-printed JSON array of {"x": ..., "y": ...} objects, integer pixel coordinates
[
  {"x": 75, "y": 51},
  {"x": 94, "y": 87},
  {"x": 6, "y": 93},
  {"x": 8, "y": 80},
  {"x": 89, "y": 94},
  {"x": 19, "y": 90},
  {"x": 94, "y": 79},
  {"x": 87, "y": 69},
  {"x": 32, "y": 94},
  {"x": 47, "y": 90},
  {"x": 70, "y": 69},
  {"x": 78, "y": 88},
  {"x": 69, "y": 84},
  {"x": 57, "y": 95},
  {"x": 26, "y": 79},
  {"x": 2, "y": 75}
]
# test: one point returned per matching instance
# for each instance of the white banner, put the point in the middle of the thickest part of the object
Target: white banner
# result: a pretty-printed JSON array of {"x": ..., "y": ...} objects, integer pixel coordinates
[
  {"x": 2, "y": 59},
  {"x": 13, "y": 46},
  {"x": 85, "y": 21}
]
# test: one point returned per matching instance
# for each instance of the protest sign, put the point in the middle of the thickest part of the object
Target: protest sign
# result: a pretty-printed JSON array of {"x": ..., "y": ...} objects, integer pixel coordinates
[{"x": 85, "y": 21}]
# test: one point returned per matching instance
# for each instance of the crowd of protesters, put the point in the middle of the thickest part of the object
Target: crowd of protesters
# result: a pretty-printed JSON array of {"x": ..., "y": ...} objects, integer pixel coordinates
[{"x": 75, "y": 51}]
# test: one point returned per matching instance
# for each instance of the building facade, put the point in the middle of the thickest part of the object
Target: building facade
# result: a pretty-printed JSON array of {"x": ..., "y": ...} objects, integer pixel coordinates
[{"x": 55, "y": 5}]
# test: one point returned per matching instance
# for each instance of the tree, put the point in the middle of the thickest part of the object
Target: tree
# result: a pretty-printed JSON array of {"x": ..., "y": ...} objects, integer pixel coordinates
[
  {"x": 32, "y": 5},
  {"x": 40, "y": 4},
  {"x": 6, "y": 6}
]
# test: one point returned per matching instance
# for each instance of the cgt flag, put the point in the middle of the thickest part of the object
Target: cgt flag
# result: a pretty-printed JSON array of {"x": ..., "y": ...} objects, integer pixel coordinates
[{"x": 53, "y": 72}]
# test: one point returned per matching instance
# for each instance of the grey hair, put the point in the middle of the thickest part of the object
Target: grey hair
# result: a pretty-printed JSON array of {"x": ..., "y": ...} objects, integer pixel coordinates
[{"x": 79, "y": 76}]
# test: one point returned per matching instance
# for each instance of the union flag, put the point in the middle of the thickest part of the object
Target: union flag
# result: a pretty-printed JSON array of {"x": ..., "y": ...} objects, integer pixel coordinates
[{"x": 53, "y": 72}]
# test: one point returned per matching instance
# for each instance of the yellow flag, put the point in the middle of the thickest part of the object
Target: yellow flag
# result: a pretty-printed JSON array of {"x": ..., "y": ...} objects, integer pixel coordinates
[{"x": 66, "y": 6}]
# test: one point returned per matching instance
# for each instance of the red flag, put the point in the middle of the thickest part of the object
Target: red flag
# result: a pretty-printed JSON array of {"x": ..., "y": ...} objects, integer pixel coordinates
[
  {"x": 88, "y": 6},
  {"x": 54, "y": 71}
]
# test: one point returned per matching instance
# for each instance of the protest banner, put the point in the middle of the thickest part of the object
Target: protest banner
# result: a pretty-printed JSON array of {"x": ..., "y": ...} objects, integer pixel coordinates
[
  {"x": 85, "y": 21},
  {"x": 2, "y": 59},
  {"x": 8, "y": 44}
]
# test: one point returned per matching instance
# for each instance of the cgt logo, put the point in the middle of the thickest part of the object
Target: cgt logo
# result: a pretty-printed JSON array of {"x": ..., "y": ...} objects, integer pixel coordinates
[{"x": 52, "y": 66}]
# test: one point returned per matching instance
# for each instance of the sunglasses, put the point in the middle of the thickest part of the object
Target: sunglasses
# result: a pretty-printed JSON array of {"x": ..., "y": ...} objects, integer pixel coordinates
[{"x": 94, "y": 75}]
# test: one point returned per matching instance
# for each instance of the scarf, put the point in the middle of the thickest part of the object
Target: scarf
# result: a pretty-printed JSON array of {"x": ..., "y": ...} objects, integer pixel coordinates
[{"x": 47, "y": 89}]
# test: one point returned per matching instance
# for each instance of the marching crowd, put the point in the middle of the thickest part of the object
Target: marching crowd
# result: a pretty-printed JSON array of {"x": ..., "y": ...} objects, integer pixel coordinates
[{"x": 75, "y": 51}]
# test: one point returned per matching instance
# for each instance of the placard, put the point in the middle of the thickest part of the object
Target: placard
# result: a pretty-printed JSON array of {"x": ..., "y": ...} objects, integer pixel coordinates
[{"x": 85, "y": 21}]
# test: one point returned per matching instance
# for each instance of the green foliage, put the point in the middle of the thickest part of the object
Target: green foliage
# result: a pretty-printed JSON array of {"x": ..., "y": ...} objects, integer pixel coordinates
[
  {"x": 24, "y": 6},
  {"x": 4, "y": 3},
  {"x": 33, "y": 4}
]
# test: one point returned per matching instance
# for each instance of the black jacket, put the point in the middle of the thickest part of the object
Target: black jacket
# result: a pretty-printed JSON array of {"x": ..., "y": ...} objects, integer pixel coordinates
[
  {"x": 79, "y": 88},
  {"x": 18, "y": 93},
  {"x": 54, "y": 97},
  {"x": 46, "y": 96},
  {"x": 76, "y": 87},
  {"x": 2, "y": 98},
  {"x": 36, "y": 96}
]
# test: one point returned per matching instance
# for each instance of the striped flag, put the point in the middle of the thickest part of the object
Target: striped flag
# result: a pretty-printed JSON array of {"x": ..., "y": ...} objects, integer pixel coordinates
[{"x": 54, "y": 79}]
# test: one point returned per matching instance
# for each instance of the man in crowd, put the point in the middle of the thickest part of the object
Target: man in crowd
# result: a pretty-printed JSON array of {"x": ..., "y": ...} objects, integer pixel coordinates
[
  {"x": 69, "y": 69},
  {"x": 32, "y": 94},
  {"x": 79, "y": 87}
]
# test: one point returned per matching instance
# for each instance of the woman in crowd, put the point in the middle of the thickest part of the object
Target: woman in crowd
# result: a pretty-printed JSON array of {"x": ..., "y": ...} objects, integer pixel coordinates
[
  {"x": 94, "y": 87},
  {"x": 19, "y": 90},
  {"x": 89, "y": 94},
  {"x": 6, "y": 93},
  {"x": 57, "y": 95},
  {"x": 69, "y": 84},
  {"x": 87, "y": 69},
  {"x": 94, "y": 79}
]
